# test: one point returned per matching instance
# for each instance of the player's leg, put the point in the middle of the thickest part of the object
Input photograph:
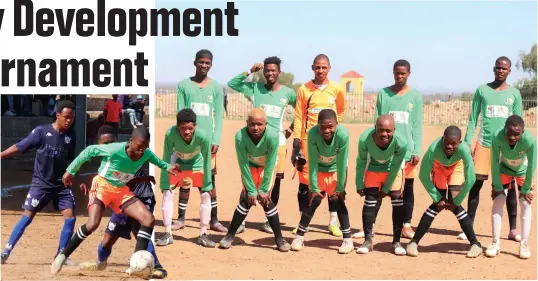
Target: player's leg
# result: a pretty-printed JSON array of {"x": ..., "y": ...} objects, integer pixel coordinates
[
  {"x": 496, "y": 219},
  {"x": 136, "y": 210},
  {"x": 167, "y": 209},
  {"x": 398, "y": 215},
  {"x": 205, "y": 216},
  {"x": 333, "y": 226},
  {"x": 482, "y": 163},
  {"x": 409, "y": 203},
  {"x": 371, "y": 197},
  {"x": 241, "y": 212},
  {"x": 526, "y": 220},
  {"x": 306, "y": 217},
  {"x": 65, "y": 203},
  {"x": 511, "y": 208},
  {"x": 214, "y": 223},
  {"x": 464, "y": 220},
  {"x": 271, "y": 214},
  {"x": 279, "y": 175},
  {"x": 343, "y": 218},
  {"x": 184, "y": 194}
]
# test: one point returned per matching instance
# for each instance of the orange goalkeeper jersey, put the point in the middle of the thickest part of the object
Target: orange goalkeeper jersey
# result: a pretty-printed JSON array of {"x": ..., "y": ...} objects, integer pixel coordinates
[{"x": 311, "y": 100}]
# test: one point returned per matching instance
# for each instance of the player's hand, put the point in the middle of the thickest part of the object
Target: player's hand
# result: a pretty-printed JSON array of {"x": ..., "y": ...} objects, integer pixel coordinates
[
  {"x": 382, "y": 194},
  {"x": 495, "y": 193},
  {"x": 256, "y": 67},
  {"x": 287, "y": 134},
  {"x": 472, "y": 150},
  {"x": 264, "y": 199},
  {"x": 67, "y": 179},
  {"x": 295, "y": 151},
  {"x": 451, "y": 206},
  {"x": 84, "y": 189},
  {"x": 253, "y": 200},
  {"x": 442, "y": 205},
  {"x": 414, "y": 160},
  {"x": 214, "y": 148},
  {"x": 174, "y": 168},
  {"x": 529, "y": 196},
  {"x": 313, "y": 195},
  {"x": 361, "y": 192}
]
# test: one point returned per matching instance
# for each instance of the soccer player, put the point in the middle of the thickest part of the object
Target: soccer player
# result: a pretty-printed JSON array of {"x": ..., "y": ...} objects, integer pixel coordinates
[
  {"x": 380, "y": 166},
  {"x": 206, "y": 98},
  {"x": 112, "y": 112},
  {"x": 312, "y": 97},
  {"x": 513, "y": 157},
  {"x": 328, "y": 145},
  {"x": 447, "y": 167},
  {"x": 494, "y": 101},
  {"x": 256, "y": 147},
  {"x": 109, "y": 189},
  {"x": 404, "y": 103},
  {"x": 273, "y": 98},
  {"x": 119, "y": 225},
  {"x": 191, "y": 149},
  {"x": 55, "y": 146}
]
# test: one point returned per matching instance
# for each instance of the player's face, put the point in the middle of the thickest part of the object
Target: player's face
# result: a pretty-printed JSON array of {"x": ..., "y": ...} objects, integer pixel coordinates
[
  {"x": 138, "y": 147},
  {"x": 256, "y": 126},
  {"x": 203, "y": 65},
  {"x": 450, "y": 145},
  {"x": 321, "y": 69},
  {"x": 115, "y": 97},
  {"x": 186, "y": 130},
  {"x": 401, "y": 74},
  {"x": 106, "y": 139},
  {"x": 271, "y": 73},
  {"x": 327, "y": 129},
  {"x": 501, "y": 70},
  {"x": 513, "y": 134},
  {"x": 384, "y": 133},
  {"x": 65, "y": 118}
]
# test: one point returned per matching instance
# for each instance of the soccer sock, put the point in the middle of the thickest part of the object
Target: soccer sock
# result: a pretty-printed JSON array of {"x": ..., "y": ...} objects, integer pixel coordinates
[
  {"x": 397, "y": 215},
  {"x": 302, "y": 197},
  {"x": 526, "y": 219},
  {"x": 275, "y": 193},
  {"x": 271, "y": 213},
  {"x": 333, "y": 211},
  {"x": 377, "y": 208},
  {"x": 184, "y": 194},
  {"x": 213, "y": 180},
  {"x": 168, "y": 202},
  {"x": 17, "y": 232},
  {"x": 307, "y": 215},
  {"x": 103, "y": 253},
  {"x": 343, "y": 217},
  {"x": 408, "y": 200},
  {"x": 214, "y": 217},
  {"x": 76, "y": 240},
  {"x": 205, "y": 212},
  {"x": 511, "y": 206},
  {"x": 143, "y": 237},
  {"x": 241, "y": 212},
  {"x": 368, "y": 212},
  {"x": 466, "y": 224},
  {"x": 474, "y": 199},
  {"x": 67, "y": 232},
  {"x": 497, "y": 217},
  {"x": 151, "y": 249},
  {"x": 425, "y": 222}
]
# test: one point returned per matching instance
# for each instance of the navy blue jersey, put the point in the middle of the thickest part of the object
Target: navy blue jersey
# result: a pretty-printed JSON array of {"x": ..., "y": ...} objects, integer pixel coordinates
[
  {"x": 142, "y": 189},
  {"x": 54, "y": 153}
]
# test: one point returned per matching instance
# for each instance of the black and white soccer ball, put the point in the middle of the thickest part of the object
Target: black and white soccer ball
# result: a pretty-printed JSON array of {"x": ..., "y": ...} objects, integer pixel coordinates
[{"x": 142, "y": 264}]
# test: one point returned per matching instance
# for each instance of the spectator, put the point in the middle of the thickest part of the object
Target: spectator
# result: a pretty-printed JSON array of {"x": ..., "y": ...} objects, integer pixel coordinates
[
  {"x": 92, "y": 127},
  {"x": 124, "y": 100},
  {"x": 112, "y": 112},
  {"x": 138, "y": 105},
  {"x": 225, "y": 100}
]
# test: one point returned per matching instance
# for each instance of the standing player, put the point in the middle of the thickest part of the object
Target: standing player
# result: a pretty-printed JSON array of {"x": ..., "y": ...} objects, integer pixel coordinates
[
  {"x": 55, "y": 146},
  {"x": 318, "y": 94},
  {"x": 273, "y": 98},
  {"x": 513, "y": 157},
  {"x": 379, "y": 173},
  {"x": 256, "y": 147},
  {"x": 206, "y": 98},
  {"x": 121, "y": 226},
  {"x": 191, "y": 150},
  {"x": 109, "y": 189},
  {"x": 496, "y": 101},
  {"x": 328, "y": 145},
  {"x": 447, "y": 167}
]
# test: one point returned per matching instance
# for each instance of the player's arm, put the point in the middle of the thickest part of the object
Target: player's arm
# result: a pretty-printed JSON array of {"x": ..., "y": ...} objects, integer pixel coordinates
[
  {"x": 205, "y": 148},
  {"x": 219, "y": 115},
  {"x": 495, "y": 165},
  {"x": 518, "y": 104},
  {"x": 473, "y": 116},
  {"x": 300, "y": 108},
  {"x": 164, "y": 182},
  {"x": 378, "y": 105},
  {"x": 23, "y": 146},
  {"x": 292, "y": 100},
  {"x": 531, "y": 167},
  {"x": 424, "y": 176},
  {"x": 244, "y": 166},
  {"x": 396, "y": 166},
  {"x": 153, "y": 159},
  {"x": 313, "y": 160},
  {"x": 180, "y": 103},
  {"x": 341, "y": 162},
  {"x": 361, "y": 164},
  {"x": 99, "y": 150},
  {"x": 140, "y": 177},
  {"x": 469, "y": 174},
  {"x": 270, "y": 162},
  {"x": 237, "y": 83},
  {"x": 340, "y": 104},
  {"x": 416, "y": 127}
]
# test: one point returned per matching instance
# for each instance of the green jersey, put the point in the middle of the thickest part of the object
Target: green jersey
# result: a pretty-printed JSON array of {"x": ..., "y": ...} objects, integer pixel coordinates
[
  {"x": 323, "y": 157},
  {"x": 435, "y": 153},
  {"x": 495, "y": 107},
  {"x": 118, "y": 169},
  {"x": 193, "y": 156},
  {"x": 407, "y": 113},
  {"x": 375, "y": 159},
  {"x": 206, "y": 102},
  {"x": 517, "y": 161},
  {"x": 273, "y": 103},
  {"x": 263, "y": 154}
]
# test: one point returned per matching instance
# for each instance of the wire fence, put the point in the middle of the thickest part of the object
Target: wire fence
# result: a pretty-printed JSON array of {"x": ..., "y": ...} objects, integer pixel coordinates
[{"x": 438, "y": 110}]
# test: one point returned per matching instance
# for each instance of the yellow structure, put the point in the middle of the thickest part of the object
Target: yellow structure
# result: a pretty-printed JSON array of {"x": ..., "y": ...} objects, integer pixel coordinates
[{"x": 353, "y": 83}]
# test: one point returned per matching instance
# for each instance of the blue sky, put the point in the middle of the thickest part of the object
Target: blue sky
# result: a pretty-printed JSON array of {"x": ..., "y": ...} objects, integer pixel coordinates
[{"x": 451, "y": 45}]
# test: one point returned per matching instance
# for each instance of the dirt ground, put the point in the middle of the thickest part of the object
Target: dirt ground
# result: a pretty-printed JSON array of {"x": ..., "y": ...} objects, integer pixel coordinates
[{"x": 253, "y": 255}]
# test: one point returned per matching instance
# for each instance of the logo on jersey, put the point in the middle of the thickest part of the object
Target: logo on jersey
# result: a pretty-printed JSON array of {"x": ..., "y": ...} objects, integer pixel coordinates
[
  {"x": 284, "y": 101},
  {"x": 410, "y": 106},
  {"x": 509, "y": 101},
  {"x": 49, "y": 135},
  {"x": 67, "y": 139},
  {"x": 331, "y": 99},
  {"x": 35, "y": 202},
  {"x": 521, "y": 153},
  {"x": 336, "y": 149},
  {"x": 210, "y": 98},
  {"x": 111, "y": 226}
]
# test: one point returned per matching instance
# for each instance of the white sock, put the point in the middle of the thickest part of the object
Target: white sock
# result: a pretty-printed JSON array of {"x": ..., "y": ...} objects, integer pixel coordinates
[
  {"x": 167, "y": 208},
  {"x": 168, "y": 229},
  {"x": 526, "y": 218},
  {"x": 334, "y": 217},
  {"x": 205, "y": 212},
  {"x": 497, "y": 217}
]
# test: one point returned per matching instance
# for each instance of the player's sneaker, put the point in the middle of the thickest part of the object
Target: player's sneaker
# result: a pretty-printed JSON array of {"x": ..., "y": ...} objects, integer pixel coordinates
[
  {"x": 159, "y": 272},
  {"x": 282, "y": 245},
  {"x": 204, "y": 241},
  {"x": 462, "y": 236},
  {"x": 298, "y": 243},
  {"x": 346, "y": 247},
  {"x": 493, "y": 250},
  {"x": 475, "y": 251},
  {"x": 266, "y": 227},
  {"x": 226, "y": 242},
  {"x": 166, "y": 240},
  {"x": 178, "y": 224},
  {"x": 294, "y": 231},
  {"x": 524, "y": 251},
  {"x": 397, "y": 249},
  {"x": 514, "y": 235},
  {"x": 407, "y": 231},
  {"x": 334, "y": 229},
  {"x": 361, "y": 233},
  {"x": 57, "y": 264},
  {"x": 366, "y": 247},
  {"x": 4, "y": 257},
  {"x": 241, "y": 228},
  {"x": 93, "y": 266},
  {"x": 412, "y": 249},
  {"x": 218, "y": 227}
]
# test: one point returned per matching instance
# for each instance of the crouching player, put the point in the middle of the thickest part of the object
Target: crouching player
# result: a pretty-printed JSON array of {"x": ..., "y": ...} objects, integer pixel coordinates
[
  {"x": 257, "y": 148},
  {"x": 447, "y": 166},
  {"x": 513, "y": 156}
]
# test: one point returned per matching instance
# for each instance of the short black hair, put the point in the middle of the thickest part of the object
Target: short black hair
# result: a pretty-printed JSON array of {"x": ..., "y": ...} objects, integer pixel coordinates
[
  {"x": 452, "y": 131},
  {"x": 204, "y": 53},
  {"x": 326, "y": 114},
  {"x": 403, "y": 63},
  {"x": 273, "y": 60},
  {"x": 515, "y": 121},
  {"x": 503, "y": 58},
  {"x": 106, "y": 130},
  {"x": 141, "y": 132},
  {"x": 65, "y": 104},
  {"x": 186, "y": 115},
  {"x": 321, "y": 57}
]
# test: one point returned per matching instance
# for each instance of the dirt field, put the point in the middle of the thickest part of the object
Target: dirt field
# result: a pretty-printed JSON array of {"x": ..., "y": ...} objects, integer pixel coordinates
[{"x": 254, "y": 256}]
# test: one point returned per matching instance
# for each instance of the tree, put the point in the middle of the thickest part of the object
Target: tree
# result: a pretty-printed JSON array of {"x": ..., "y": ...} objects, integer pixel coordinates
[
  {"x": 527, "y": 86},
  {"x": 285, "y": 78},
  {"x": 466, "y": 96}
]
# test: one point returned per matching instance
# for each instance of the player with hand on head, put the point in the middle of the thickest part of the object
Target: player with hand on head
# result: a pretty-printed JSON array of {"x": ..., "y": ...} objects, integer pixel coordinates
[{"x": 447, "y": 173}]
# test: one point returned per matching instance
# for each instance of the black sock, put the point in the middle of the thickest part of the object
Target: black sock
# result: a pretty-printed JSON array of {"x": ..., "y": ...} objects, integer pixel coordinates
[
  {"x": 408, "y": 200},
  {"x": 241, "y": 212},
  {"x": 377, "y": 207},
  {"x": 368, "y": 211},
  {"x": 275, "y": 193},
  {"x": 511, "y": 206},
  {"x": 271, "y": 213},
  {"x": 343, "y": 217},
  {"x": 333, "y": 205},
  {"x": 214, "y": 218},
  {"x": 143, "y": 237},
  {"x": 184, "y": 194},
  {"x": 307, "y": 215},
  {"x": 213, "y": 180},
  {"x": 425, "y": 222},
  {"x": 302, "y": 197},
  {"x": 466, "y": 224},
  {"x": 77, "y": 238},
  {"x": 474, "y": 199},
  {"x": 397, "y": 215}
]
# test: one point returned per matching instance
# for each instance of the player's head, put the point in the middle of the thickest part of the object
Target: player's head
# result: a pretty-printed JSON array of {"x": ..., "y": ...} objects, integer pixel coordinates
[
  {"x": 502, "y": 68},
  {"x": 256, "y": 122},
  {"x": 139, "y": 142},
  {"x": 106, "y": 134},
  {"x": 271, "y": 69},
  {"x": 513, "y": 129},
  {"x": 327, "y": 123},
  {"x": 451, "y": 140},
  {"x": 401, "y": 71},
  {"x": 384, "y": 129},
  {"x": 186, "y": 123},
  {"x": 203, "y": 61},
  {"x": 115, "y": 97},
  {"x": 321, "y": 67},
  {"x": 65, "y": 114}
]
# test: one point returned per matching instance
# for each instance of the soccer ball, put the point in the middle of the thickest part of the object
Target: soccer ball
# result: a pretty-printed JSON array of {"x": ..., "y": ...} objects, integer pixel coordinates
[{"x": 142, "y": 264}]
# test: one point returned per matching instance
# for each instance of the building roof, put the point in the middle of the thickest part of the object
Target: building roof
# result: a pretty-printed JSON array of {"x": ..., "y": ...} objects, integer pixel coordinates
[{"x": 351, "y": 74}]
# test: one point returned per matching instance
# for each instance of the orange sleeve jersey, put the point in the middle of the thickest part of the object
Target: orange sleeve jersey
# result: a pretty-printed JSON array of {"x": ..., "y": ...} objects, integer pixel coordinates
[{"x": 311, "y": 100}]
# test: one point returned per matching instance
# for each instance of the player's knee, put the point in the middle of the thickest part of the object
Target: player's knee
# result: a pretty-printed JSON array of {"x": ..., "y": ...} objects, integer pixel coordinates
[
  {"x": 92, "y": 225},
  {"x": 316, "y": 201},
  {"x": 371, "y": 194},
  {"x": 303, "y": 188},
  {"x": 107, "y": 241},
  {"x": 394, "y": 195},
  {"x": 29, "y": 214},
  {"x": 148, "y": 220},
  {"x": 458, "y": 210}
]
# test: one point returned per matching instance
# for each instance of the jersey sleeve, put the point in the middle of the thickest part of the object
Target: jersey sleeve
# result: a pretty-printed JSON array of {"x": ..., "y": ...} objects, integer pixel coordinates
[
  {"x": 167, "y": 152},
  {"x": 340, "y": 104},
  {"x": 205, "y": 148},
  {"x": 272, "y": 151},
  {"x": 33, "y": 140},
  {"x": 300, "y": 108},
  {"x": 219, "y": 115},
  {"x": 89, "y": 152},
  {"x": 396, "y": 166},
  {"x": 361, "y": 164},
  {"x": 181, "y": 98},
  {"x": 244, "y": 167},
  {"x": 518, "y": 104},
  {"x": 292, "y": 98},
  {"x": 416, "y": 127},
  {"x": 312, "y": 161},
  {"x": 469, "y": 175},
  {"x": 424, "y": 175},
  {"x": 237, "y": 83},
  {"x": 531, "y": 167},
  {"x": 153, "y": 159},
  {"x": 378, "y": 105},
  {"x": 341, "y": 162},
  {"x": 495, "y": 165},
  {"x": 473, "y": 116}
]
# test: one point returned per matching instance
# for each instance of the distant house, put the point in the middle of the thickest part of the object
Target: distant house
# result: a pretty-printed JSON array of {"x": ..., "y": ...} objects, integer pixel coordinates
[{"x": 353, "y": 83}]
